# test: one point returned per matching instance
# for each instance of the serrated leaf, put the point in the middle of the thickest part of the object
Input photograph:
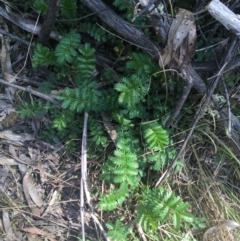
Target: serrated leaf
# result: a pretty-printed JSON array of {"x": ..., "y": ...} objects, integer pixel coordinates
[
  {"x": 182, "y": 207},
  {"x": 66, "y": 103},
  {"x": 164, "y": 214}
]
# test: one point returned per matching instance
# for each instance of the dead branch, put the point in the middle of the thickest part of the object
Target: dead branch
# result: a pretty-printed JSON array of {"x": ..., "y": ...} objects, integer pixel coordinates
[
  {"x": 49, "y": 21},
  {"x": 30, "y": 90},
  {"x": 224, "y": 15},
  {"x": 25, "y": 24}
]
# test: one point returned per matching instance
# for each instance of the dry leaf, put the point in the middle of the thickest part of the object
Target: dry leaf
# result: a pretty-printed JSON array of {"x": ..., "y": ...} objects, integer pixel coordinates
[
  {"x": 181, "y": 40},
  {"x": 4, "y": 160},
  {"x": 32, "y": 194},
  {"x": 11, "y": 136},
  {"x": 109, "y": 127},
  {"x": 38, "y": 231},
  {"x": 7, "y": 227}
]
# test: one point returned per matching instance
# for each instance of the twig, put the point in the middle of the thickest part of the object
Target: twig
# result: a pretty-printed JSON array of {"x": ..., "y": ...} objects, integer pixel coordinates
[
  {"x": 180, "y": 103},
  {"x": 30, "y": 90},
  {"x": 84, "y": 183},
  {"x": 29, "y": 48},
  {"x": 25, "y": 24},
  {"x": 197, "y": 116},
  {"x": 83, "y": 173},
  {"x": 14, "y": 37},
  {"x": 224, "y": 85}
]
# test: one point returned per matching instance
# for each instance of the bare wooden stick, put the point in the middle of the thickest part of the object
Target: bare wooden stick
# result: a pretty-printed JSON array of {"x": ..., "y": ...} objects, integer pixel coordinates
[
  {"x": 224, "y": 15},
  {"x": 25, "y": 24},
  {"x": 83, "y": 172},
  {"x": 84, "y": 183},
  {"x": 34, "y": 92}
]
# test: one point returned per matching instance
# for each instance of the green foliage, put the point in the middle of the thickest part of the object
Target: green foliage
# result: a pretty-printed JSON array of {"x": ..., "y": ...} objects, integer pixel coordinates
[
  {"x": 61, "y": 121},
  {"x": 122, "y": 5},
  {"x": 117, "y": 231},
  {"x": 97, "y": 135},
  {"x": 85, "y": 63},
  {"x": 198, "y": 223},
  {"x": 94, "y": 31},
  {"x": 50, "y": 84},
  {"x": 40, "y": 6},
  {"x": 131, "y": 95},
  {"x": 32, "y": 109},
  {"x": 132, "y": 90},
  {"x": 142, "y": 64},
  {"x": 125, "y": 6},
  {"x": 68, "y": 9},
  {"x": 114, "y": 199},
  {"x": 66, "y": 50},
  {"x": 159, "y": 159},
  {"x": 205, "y": 53},
  {"x": 156, "y": 137},
  {"x": 123, "y": 163},
  {"x": 66, "y": 126},
  {"x": 159, "y": 205},
  {"x": 43, "y": 56},
  {"x": 84, "y": 98}
]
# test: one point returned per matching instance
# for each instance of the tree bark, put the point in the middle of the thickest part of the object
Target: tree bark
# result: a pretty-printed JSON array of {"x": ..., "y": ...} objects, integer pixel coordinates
[{"x": 49, "y": 21}]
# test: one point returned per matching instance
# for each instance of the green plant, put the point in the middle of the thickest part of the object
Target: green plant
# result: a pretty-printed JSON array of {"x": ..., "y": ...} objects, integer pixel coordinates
[
  {"x": 117, "y": 231},
  {"x": 33, "y": 109},
  {"x": 40, "y": 6},
  {"x": 66, "y": 50},
  {"x": 156, "y": 137},
  {"x": 133, "y": 99},
  {"x": 85, "y": 98},
  {"x": 43, "y": 56},
  {"x": 114, "y": 199},
  {"x": 158, "y": 205},
  {"x": 68, "y": 9},
  {"x": 132, "y": 90},
  {"x": 94, "y": 31}
]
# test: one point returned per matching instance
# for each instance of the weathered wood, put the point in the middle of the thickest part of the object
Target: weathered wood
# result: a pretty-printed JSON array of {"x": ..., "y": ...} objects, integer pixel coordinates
[
  {"x": 225, "y": 16},
  {"x": 26, "y": 24},
  {"x": 124, "y": 28}
]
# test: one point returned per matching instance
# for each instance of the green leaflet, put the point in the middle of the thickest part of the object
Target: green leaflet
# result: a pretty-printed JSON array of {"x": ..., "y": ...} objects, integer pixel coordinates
[
  {"x": 159, "y": 205},
  {"x": 156, "y": 137}
]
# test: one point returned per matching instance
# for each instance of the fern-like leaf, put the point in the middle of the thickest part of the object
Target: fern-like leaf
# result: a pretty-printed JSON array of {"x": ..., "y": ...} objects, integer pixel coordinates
[
  {"x": 93, "y": 30},
  {"x": 97, "y": 134},
  {"x": 66, "y": 50},
  {"x": 117, "y": 231},
  {"x": 114, "y": 199},
  {"x": 142, "y": 64},
  {"x": 43, "y": 56},
  {"x": 132, "y": 90},
  {"x": 125, "y": 163},
  {"x": 86, "y": 98},
  {"x": 85, "y": 62},
  {"x": 40, "y": 6},
  {"x": 159, "y": 205},
  {"x": 68, "y": 8},
  {"x": 156, "y": 137},
  {"x": 32, "y": 109}
]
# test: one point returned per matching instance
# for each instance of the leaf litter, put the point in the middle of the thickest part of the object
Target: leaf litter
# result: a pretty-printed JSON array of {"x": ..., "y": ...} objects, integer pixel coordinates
[{"x": 38, "y": 202}]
